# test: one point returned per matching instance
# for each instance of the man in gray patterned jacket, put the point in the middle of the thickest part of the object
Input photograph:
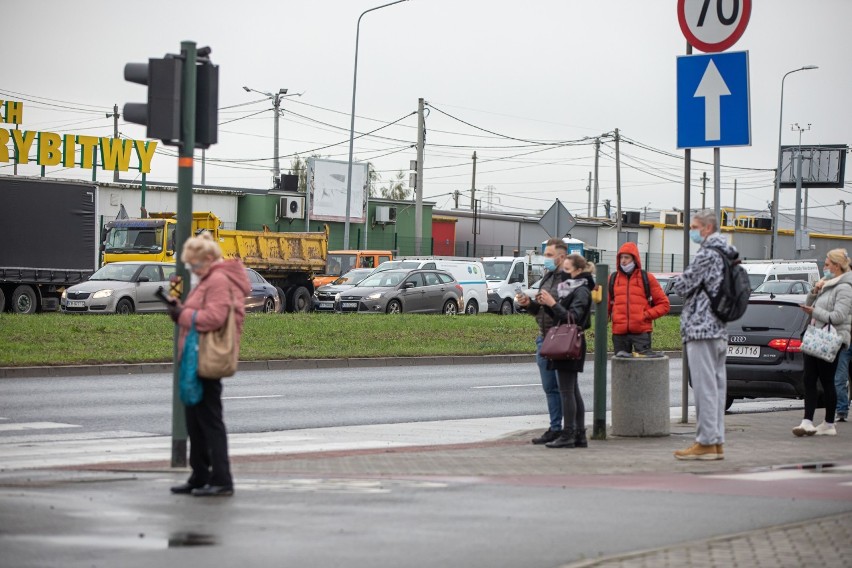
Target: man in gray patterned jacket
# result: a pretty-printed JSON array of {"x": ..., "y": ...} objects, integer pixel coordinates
[{"x": 705, "y": 337}]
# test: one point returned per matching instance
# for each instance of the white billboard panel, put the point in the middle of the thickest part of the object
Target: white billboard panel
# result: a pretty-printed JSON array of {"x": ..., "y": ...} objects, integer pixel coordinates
[{"x": 327, "y": 187}]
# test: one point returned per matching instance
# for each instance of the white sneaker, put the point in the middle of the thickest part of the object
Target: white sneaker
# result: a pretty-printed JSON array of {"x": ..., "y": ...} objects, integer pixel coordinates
[
  {"x": 826, "y": 429},
  {"x": 806, "y": 428}
]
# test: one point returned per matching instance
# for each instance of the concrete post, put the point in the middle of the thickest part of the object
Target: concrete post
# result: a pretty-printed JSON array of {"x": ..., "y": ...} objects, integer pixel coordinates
[{"x": 640, "y": 396}]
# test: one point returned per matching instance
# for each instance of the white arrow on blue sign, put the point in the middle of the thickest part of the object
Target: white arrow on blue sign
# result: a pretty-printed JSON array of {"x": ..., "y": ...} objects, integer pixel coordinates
[{"x": 713, "y": 100}]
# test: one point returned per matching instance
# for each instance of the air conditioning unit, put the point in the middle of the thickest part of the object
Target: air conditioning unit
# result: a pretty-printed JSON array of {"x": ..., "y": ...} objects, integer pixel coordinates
[
  {"x": 385, "y": 214},
  {"x": 291, "y": 208},
  {"x": 671, "y": 217}
]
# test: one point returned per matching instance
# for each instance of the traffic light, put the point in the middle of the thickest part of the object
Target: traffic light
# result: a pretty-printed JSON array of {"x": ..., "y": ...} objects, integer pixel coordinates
[
  {"x": 206, "y": 105},
  {"x": 162, "y": 112}
]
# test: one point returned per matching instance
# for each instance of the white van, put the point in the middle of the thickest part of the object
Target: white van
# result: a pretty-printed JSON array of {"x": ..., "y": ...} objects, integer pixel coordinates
[
  {"x": 505, "y": 275},
  {"x": 468, "y": 273},
  {"x": 760, "y": 271}
]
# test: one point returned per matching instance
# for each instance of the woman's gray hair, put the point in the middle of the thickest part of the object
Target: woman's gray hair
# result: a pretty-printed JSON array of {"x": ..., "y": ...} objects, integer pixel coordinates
[{"x": 707, "y": 217}]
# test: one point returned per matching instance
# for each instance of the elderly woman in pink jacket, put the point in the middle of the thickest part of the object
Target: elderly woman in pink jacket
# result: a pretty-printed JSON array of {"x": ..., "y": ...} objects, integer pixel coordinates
[{"x": 223, "y": 284}]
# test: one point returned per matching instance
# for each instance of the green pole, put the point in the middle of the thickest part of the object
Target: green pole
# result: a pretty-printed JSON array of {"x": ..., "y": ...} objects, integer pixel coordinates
[
  {"x": 95, "y": 164},
  {"x": 144, "y": 187},
  {"x": 599, "y": 417},
  {"x": 184, "y": 225}
]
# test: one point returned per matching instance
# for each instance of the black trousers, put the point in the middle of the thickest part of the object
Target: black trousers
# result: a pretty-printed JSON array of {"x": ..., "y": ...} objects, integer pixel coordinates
[
  {"x": 573, "y": 407},
  {"x": 823, "y": 371},
  {"x": 208, "y": 439}
]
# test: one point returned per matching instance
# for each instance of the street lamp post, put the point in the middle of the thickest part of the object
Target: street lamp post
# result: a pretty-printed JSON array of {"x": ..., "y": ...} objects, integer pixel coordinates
[
  {"x": 352, "y": 124},
  {"x": 843, "y": 228},
  {"x": 777, "y": 191},
  {"x": 276, "y": 105}
]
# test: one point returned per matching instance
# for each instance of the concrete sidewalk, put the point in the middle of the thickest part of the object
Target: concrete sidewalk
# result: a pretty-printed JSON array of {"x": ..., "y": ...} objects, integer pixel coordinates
[{"x": 762, "y": 459}]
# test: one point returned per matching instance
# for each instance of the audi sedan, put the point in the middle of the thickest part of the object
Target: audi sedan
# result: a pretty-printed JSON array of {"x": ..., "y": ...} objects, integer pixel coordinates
[
  {"x": 765, "y": 349},
  {"x": 403, "y": 291}
]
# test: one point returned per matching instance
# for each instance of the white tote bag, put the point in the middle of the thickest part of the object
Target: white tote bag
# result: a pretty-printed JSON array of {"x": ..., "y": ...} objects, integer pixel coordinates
[{"x": 822, "y": 342}]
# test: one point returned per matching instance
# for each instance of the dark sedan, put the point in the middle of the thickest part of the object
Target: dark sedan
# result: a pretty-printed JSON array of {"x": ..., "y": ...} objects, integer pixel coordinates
[
  {"x": 765, "y": 349},
  {"x": 667, "y": 280},
  {"x": 403, "y": 291},
  {"x": 324, "y": 295},
  {"x": 263, "y": 296}
]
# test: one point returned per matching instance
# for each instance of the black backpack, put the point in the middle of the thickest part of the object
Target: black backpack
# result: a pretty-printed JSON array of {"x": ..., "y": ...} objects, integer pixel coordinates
[
  {"x": 730, "y": 303},
  {"x": 644, "y": 282}
]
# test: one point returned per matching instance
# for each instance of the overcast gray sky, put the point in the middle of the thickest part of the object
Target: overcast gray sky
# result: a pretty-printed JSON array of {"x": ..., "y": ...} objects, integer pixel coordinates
[{"x": 539, "y": 71}]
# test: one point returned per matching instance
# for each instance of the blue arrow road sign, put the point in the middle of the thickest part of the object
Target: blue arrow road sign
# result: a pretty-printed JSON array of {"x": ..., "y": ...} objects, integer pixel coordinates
[{"x": 713, "y": 100}]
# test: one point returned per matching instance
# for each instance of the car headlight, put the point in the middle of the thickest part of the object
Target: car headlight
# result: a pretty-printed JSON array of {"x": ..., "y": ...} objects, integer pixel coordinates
[
  {"x": 337, "y": 297},
  {"x": 102, "y": 294},
  {"x": 374, "y": 296}
]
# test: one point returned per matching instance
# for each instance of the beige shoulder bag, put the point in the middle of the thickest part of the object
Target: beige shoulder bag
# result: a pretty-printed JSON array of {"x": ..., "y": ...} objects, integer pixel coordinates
[{"x": 218, "y": 351}]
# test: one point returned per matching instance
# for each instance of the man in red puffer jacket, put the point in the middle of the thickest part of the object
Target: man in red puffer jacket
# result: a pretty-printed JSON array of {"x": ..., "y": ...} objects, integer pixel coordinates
[{"x": 629, "y": 308}]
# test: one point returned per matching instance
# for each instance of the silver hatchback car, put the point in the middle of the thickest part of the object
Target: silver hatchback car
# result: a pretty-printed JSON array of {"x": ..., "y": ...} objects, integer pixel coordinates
[{"x": 120, "y": 288}]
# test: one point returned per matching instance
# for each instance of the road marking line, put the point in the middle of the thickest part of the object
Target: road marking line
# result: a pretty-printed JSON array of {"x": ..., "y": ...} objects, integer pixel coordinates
[
  {"x": 507, "y": 386},
  {"x": 35, "y": 426},
  {"x": 256, "y": 396}
]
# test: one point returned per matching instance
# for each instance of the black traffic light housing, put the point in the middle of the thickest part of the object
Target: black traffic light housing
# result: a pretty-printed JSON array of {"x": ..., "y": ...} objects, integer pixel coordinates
[{"x": 162, "y": 112}]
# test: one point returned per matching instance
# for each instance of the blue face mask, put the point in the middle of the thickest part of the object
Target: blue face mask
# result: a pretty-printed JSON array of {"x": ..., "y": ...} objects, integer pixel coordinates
[
  {"x": 827, "y": 273},
  {"x": 550, "y": 264},
  {"x": 695, "y": 236}
]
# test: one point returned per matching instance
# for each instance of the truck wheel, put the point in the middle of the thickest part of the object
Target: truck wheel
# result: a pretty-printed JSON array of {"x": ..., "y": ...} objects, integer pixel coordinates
[
  {"x": 472, "y": 308},
  {"x": 2, "y": 301},
  {"x": 282, "y": 299},
  {"x": 506, "y": 308},
  {"x": 24, "y": 300},
  {"x": 301, "y": 301},
  {"x": 124, "y": 307}
]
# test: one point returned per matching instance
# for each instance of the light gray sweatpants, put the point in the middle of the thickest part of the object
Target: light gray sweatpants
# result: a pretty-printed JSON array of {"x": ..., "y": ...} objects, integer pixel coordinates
[{"x": 706, "y": 360}]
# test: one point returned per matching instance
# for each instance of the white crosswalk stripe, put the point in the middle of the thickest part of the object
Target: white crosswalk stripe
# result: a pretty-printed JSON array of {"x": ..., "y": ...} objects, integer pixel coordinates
[{"x": 15, "y": 426}]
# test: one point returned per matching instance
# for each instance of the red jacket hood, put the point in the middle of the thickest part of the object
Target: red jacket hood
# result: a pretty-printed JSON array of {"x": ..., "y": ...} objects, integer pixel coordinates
[
  {"x": 235, "y": 272},
  {"x": 632, "y": 250}
]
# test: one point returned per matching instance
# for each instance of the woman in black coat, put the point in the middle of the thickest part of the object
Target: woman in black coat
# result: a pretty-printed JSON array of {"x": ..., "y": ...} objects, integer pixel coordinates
[{"x": 566, "y": 292}]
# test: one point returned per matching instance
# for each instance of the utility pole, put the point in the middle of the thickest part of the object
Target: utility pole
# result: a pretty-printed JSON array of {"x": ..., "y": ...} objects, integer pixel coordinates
[
  {"x": 735, "y": 203},
  {"x": 473, "y": 184},
  {"x": 418, "y": 189},
  {"x": 276, "y": 104},
  {"x": 843, "y": 228},
  {"x": 114, "y": 117},
  {"x": 589, "y": 191},
  {"x": 618, "y": 185},
  {"x": 456, "y": 194},
  {"x": 704, "y": 180},
  {"x": 597, "y": 196}
]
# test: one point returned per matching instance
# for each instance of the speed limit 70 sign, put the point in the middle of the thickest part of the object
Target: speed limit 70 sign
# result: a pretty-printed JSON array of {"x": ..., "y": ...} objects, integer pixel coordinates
[{"x": 713, "y": 25}]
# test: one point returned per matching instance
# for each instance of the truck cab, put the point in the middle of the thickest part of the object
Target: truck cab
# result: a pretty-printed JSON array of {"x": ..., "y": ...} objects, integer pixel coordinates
[
  {"x": 505, "y": 275},
  {"x": 339, "y": 262}
]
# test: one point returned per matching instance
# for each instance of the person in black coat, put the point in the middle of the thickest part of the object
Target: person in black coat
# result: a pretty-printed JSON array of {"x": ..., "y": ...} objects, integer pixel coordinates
[{"x": 565, "y": 292}]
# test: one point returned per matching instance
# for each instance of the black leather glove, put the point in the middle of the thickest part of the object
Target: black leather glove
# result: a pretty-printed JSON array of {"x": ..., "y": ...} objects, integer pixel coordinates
[{"x": 174, "y": 310}]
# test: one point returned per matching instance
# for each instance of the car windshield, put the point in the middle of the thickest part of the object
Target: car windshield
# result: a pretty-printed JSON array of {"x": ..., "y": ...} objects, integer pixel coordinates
[
  {"x": 385, "y": 279},
  {"x": 352, "y": 277},
  {"x": 756, "y": 280},
  {"x": 397, "y": 264},
  {"x": 119, "y": 272},
  {"x": 495, "y": 270},
  {"x": 774, "y": 287}
]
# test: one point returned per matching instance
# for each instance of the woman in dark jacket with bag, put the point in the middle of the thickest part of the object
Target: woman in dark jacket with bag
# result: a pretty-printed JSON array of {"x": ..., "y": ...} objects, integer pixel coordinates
[
  {"x": 563, "y": 291},
  {"x": 222, "y": 287}
]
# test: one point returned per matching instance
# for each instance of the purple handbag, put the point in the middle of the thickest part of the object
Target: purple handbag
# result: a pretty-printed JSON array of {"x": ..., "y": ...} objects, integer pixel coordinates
[{"x": 563, "y": 341}]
